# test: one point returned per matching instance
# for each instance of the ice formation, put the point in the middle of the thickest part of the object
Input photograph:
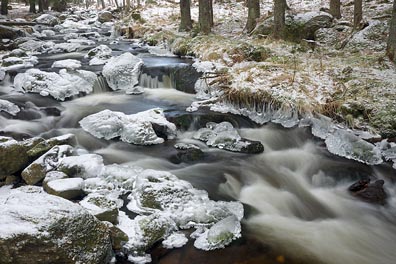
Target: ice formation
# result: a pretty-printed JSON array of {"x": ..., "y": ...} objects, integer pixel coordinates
[
  {"x": 136, "y": 128},
  {"x": 122, "y": 72},
  {"x": 99, "y": 55},
  {"x": 9, "y": 107},
  {"x": 346, "y": 144},
  {"x": 59, "y": 86},
  {"x": 67, "y": 64},
  {"x": 225, "y": 136}
]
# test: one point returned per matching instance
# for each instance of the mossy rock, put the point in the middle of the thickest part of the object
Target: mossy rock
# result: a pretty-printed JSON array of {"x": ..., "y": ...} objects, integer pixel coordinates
[
  {"x": 14, "y": 156},
  {"x": 46, "y": 145},
  {"x": 105, "y": 209}
]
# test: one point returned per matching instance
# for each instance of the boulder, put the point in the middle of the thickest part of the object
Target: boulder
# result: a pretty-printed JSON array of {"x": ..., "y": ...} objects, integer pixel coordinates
[
  {"x": 59, "y": 86},
  {"x": 83, "y": 166},
  {"x": 13, "y": 154},
  {"x": 99, "y": 55},
  {"x": 118, "y": 237},
  {"x": 70, "y": 188},
  {"x": 122, "y": 72},
  {"x": 47, "y": 19},
  {"x": 101, "y": 207},
  {"x": 36, "y": 227},
  {"x": 140, "y": 128},
  {"x": 369, "y": 192},
  {"x": 53, "y": 175},
  {"x": 44, "y": 146},
  {"x": 49, "y": 161},
  {"x": 105, "y": 16},
  {"x": 298, "y": 27},
  {"x": 67, "y": 64},
  {"x": 9, "y": 107},
  {"x": 10, "y": 32}
]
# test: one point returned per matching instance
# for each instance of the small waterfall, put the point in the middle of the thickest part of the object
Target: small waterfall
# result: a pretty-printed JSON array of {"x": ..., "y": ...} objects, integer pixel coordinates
[
  {"x": 100, "y": 85},
  {"x": 163, "y": 81}
]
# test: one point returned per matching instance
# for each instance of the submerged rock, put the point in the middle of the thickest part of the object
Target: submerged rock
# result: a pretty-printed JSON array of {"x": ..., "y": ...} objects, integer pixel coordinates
[
  {"x": 122, "y": 72},
  {"x": 369, "y": 192},
  {"x": 136, "y": 128},
  {"x": 59, "y": 86},
  {"x": 187, "y": 153},
  {"x": 225, "y": 136},
  {"x": 36, "y": 227}
]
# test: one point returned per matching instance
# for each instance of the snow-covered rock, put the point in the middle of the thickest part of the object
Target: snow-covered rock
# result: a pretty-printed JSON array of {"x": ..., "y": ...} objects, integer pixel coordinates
[
  {"x": 53, "y": 175},
  {"x": 122, "y": 72},
  {"x": 37, "y": 170},
  {"x": 2, "y": 74},
  {"x": 346, "y": 144},
  {"x": 60, "y": 86},
  {"x": 47, "y": 19},
  {"x": 371, "y": 37},
  {"x": 84, "y": 166},
  {"x": 101, "y": 207},
  {"x": 48, "y": 33},
  {"x": 81, "y": 41},
  {"x": 37, "y": 45},
  {"x": 64, "y": 47},
  {"x": 67, "y": 64},
  {"x": 225, "y": 136},
  {"x": 9, "y": 107},
  {"x": 14, "y": 63},
  {"x": 36, "y": 227},
  {"x": 136, "y": 128},
  {"x": 99, "y": 55},
  {"x": 69, "y": 188}
]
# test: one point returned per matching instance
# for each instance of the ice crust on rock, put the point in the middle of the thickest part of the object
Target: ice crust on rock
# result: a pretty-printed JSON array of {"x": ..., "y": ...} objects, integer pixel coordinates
[
  {"x": 99, "y": 55},
  {"x": 2, "y": 74},
  {"x": 67, "y": 64},
  {"x": 122, "y": 72},
  {"x": 47, "y": 19},
  {"x": 9, "y": 107},
  {"x": 136, "y": 128},
  {"x": 175, "y": 240},
  {"x": 59, "y": 86},
  {"x": 84, "y": 166},
  {"x": 225, "y": 136},
  {"x": 346, "y": 144}
]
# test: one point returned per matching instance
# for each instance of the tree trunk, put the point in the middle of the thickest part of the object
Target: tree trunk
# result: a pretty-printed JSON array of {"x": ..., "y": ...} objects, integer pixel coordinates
[
  {"x": 185, "y": 16},
  {"x": 32, "y": 8},
  {"x": 357, "y": 14},
  {"x": 128, "y": 5},
  {"x": 253, "y": 14},
  {"x": 391, "y": 47},
  {"x": 103, "y": 4},
  {"x": 211, "y": 13},
  {"x": 335, "y": 8},
  {"x": 279, "y": 18},
  {"x": 40, "y": 6},
  {"x": 45, "y": 4},
  {"x": 204, "y": 16},
  {"x": 4, "y": 5}
]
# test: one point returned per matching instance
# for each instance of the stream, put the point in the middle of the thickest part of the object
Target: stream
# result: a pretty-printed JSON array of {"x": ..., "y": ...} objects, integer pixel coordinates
[{"x": 297, "y": 207}]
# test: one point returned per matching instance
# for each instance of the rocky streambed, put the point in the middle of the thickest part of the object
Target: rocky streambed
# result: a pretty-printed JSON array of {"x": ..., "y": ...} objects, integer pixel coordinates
[{"x": 100, "y": 162}]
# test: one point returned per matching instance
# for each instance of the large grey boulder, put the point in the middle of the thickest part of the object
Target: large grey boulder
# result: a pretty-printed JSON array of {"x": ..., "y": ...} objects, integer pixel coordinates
[
  {"x": 298, "y": 27},
  {"x": 36, "y": 227},
  {"x": 10, "y": 32},
  {"x": 105, "y": 16}
]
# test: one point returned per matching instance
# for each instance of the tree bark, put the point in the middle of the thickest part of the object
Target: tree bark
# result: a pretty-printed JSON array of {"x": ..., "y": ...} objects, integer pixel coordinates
[
  {"x": 45, "y": 4},
  {"x": 128, "y": 5},
  {"x": 211, "y": 13},
  {"x": 357, "y": 14},
  {"x": 185, "y": 15},
  {"x": 253, "y": 14},
  {"x": 4, "y": 7},
  {"x": 40, "y": 6},
  {"x": 32, "y": 8},
  {"x": 204, "y": 16},
  {"x": 279, "y": 18},
  {"x": 391, "y": 47},
  {"x": 335, "y": 8}
]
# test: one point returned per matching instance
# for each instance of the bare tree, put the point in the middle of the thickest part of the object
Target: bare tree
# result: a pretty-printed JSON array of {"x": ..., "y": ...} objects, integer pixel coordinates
[
  {"x": 391, "y": 47},
  {"x": 4, "y": 7},
  {"x": 335, "y": 8},
  {"x": 357, "y": 14},
  {"x": 204, "y": 16},
  {"x": 253, "y": 14},
  {"x": 185, "y": 15},
  {"x": 40, "y": 6},
  {"x": 279, "y": 18}
]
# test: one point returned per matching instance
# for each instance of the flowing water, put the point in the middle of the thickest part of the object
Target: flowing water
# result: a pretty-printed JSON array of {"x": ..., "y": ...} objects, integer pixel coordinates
[{"x": 296, "y": 198}]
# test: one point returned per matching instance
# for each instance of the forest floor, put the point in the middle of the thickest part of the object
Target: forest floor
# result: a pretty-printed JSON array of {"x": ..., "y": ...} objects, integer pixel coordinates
[{"x": 355, "y": 85}]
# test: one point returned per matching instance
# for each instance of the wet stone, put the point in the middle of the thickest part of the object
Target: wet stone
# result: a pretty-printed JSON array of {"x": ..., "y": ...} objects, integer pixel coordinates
[{"x": 369, "y": 192}]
